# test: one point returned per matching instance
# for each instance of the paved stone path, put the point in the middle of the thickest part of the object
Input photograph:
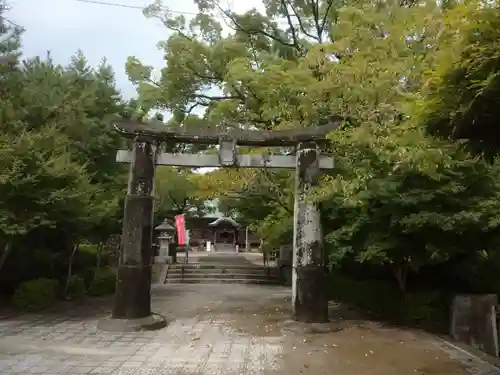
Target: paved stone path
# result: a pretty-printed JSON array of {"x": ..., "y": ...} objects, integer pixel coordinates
[{"x": 223, "y": 330}]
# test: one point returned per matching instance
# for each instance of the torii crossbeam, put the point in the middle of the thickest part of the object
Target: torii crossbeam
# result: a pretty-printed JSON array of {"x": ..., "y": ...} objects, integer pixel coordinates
[{"x": 132, "y": 306}]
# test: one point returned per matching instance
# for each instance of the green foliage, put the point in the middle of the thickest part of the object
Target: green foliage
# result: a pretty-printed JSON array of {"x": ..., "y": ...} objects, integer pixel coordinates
[
  {"x": 398, "y": 198},
  {"x": 262, "y": 200},
  {"x": 58, "y": 173},
  {"x": 176, "y": 192},
  {"x": 88, "y": 248},
  {"x": 459, "y": 96},
  {"x": 409, "y": 218},
  {"x": 9, "y": 41},
  {"x": 88, "y": 276},
  {"x": 383, "y": 300},
  {"x": 76, "y": 287},
  {"x": 37, "y": 173},
  {"x": 37, "y": 294},
  {"x": 104, "y": 282}
]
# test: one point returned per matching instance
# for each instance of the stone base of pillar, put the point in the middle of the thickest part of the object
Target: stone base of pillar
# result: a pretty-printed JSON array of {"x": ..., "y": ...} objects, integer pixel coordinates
[
  {"x": 133, "y": 292},
  {"x": 311, "y": 299},
  {"x": 149, "y": 323},
  {"x": 132, "y": 304}
]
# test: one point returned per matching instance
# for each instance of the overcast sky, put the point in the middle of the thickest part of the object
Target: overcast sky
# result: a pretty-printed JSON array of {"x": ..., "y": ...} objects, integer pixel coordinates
[{"x": 64, "y": 26}]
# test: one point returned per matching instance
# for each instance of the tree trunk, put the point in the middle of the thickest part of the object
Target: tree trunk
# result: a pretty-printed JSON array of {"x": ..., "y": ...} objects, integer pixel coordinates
[
  {"x": 100, "y": 248},
  {"x": 400, "y": 272},
  {"x": 70, "y": 267},
  {"x": 5, "y": 253}
]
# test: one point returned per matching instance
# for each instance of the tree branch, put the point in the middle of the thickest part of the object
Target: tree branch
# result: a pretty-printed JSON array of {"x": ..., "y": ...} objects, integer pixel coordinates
[
  {"x": 315, "y": 12},
  {"x": 301, "y": 24},
  {"x": 292, "y": 27},
  {"x": 218, "y": 98},
  {"x": 277, "y": 190},
  {"x": 254, "y": 32},
  {"x": 325, "y": 16}
]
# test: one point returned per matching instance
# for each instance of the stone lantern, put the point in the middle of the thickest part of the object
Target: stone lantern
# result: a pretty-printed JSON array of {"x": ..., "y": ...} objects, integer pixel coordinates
[{"x": 165, "y": 236}]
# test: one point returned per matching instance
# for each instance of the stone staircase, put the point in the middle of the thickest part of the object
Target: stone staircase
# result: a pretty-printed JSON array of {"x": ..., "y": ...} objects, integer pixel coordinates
[{"x": 218, "y": 268}]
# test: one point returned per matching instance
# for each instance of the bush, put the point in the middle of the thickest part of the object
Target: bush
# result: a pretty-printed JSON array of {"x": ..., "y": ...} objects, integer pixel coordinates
[
  {"x": 104, "y": 282},
  {"x": 383, "y": 300},
  {"x": 427, "y": 308},
  {"x": 76, "y": 287},
  {"x": 37, "y": 294},
  {"x": 88, "y": 248},
  {"x": 87, "y": 275}
]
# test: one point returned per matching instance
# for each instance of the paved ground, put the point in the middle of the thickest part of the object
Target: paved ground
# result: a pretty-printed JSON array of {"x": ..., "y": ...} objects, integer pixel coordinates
[{"x": 223, "y": 330}]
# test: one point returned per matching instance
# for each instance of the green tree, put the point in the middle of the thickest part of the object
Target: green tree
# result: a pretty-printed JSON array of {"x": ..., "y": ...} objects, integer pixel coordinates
[
  {"x": 9, "y": 40},
  {"x": 59, "y": 148},
  {"x": 176, "y": 193},
  {"x": 80, "y": 101},
  {"x": 396, "y": 192},
  {"x": 40, "y": 186},
  {"x": 404, "y": 218},
  {"x": 459, "y": 97}
]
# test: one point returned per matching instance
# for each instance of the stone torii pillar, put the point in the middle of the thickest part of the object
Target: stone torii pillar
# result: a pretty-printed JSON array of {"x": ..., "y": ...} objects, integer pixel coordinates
[
  {"x": 131, "y": 308},
  {"x": 309, "y": 288},
  {"x": 132, "y": 303}
]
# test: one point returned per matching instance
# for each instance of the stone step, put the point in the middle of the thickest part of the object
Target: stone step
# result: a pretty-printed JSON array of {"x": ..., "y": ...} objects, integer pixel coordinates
[
  {"x": 218, "y": 266},
  {"x": 221, "y": 281},
  {"x": 219, "y": 276},
  {"x": 223, "y": 271}
]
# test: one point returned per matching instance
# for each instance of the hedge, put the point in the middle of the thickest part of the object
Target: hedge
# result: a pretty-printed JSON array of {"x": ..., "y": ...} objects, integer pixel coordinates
[
  {"x": 37, "y": 294},
  {"x": 381, "y": 299}
]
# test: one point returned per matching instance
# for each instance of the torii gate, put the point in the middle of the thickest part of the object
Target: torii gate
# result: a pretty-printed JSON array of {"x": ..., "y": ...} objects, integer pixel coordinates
[{"x": 132, "y": 303}]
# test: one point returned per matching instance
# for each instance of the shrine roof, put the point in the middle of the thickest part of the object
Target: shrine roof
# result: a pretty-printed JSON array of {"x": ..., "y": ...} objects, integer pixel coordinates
[{"x": 223, "y": 219}]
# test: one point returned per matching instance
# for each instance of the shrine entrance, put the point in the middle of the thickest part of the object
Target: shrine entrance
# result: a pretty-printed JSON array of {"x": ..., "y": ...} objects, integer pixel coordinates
[
  {"x": 132, "y": 304},
  {"x": 225, "y": 234}
]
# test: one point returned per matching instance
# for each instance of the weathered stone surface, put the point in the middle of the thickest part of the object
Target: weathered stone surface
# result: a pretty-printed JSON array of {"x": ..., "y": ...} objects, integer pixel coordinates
[
  {"x": 133, "y": 283},
  {"x": 309, "y": 292},
  {"x": 473, "y": 321},
  {"x": 288, "y": 137},
  {"x": 133, "y": 294},
  {"x": 136, "y": 248},
  {"x": 311, "y": 302}
]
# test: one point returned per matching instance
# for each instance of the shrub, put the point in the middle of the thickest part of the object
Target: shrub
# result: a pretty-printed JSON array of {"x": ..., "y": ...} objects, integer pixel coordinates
[
  {"x": 88, "y": 248},
  {"x": 76, "y": 287},
  {"x": 37, "y": 294},
  {"x": 383, "y": 300},
  {"x": 104, "y": 282},
  {"x": 427, "y": 308},
  {"x": 87, "y": 275}
]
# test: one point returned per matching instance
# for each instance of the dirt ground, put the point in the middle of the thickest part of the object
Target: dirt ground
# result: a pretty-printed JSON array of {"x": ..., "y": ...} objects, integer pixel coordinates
[{"x": 348, "y": 345}]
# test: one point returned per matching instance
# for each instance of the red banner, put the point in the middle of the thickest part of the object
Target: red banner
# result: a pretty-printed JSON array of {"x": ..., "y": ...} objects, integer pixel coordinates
[{"x": 180, "y": 225}]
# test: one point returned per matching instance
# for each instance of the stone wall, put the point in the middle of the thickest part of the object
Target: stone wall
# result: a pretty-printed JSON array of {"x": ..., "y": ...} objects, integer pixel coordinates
[{"x": 473, "y": 321}]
